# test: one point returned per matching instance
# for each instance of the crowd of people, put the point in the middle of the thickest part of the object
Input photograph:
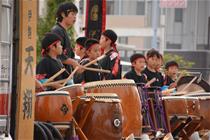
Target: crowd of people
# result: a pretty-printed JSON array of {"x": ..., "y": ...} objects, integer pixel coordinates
[{"x": 57, "y": 54}]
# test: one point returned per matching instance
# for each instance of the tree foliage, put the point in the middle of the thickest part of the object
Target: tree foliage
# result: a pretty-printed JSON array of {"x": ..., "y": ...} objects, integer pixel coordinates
[
  {"x": 179, "y": 59},
  {"x": 46, "y": 23}
]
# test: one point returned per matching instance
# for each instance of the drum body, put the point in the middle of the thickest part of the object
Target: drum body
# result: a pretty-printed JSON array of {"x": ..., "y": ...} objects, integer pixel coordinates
[
  {"x": 104, "y": 120},
  {"x": 198, "y": 84},
  {"x": 204, "y": 100},
  {"x": 74, "y": 90},
  {"x": 130, "y": 101},
  {"x": 53, "y": 106},
  {"x": 180, "y": 105}
]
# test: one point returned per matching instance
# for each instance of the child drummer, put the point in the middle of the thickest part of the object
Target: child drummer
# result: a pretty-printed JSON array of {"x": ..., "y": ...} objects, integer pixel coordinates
[
  {"x": 171, "y": 72},
  {"x": 92, "y": 52},
  {"x": 80, "y": 49},
  {"x": 111, "y": 61},
  {"x": 138, "y": 63},
  {"x": 152, "y": 59},
  {"x": 49, "y": 64}
]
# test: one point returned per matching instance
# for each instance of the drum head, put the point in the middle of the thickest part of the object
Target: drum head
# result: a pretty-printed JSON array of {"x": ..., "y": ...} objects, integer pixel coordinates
[{"x": 195, "y": 86}]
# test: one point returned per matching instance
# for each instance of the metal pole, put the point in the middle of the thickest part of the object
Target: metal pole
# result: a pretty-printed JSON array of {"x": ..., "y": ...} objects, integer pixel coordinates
[
  {"x": 209, "y": 33},
  {"x": 155, "y": 13},
  {"x": 196, "y": 25},
  {"x": 11, "y": 62}
]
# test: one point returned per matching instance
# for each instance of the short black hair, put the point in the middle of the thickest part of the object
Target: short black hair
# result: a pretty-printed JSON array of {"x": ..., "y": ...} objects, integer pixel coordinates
[
  {"x": 136, "y": 56},
  {"x": 170, "y": 64},
  {"x": 110, "y": 34},
  {"x": 90, "y": 42},
  {"x": 66, "y": 8},
  {"x": 48, "y": 40},
  {"x": 153, "y": 52},
  {"x": 81, "y": 41}
]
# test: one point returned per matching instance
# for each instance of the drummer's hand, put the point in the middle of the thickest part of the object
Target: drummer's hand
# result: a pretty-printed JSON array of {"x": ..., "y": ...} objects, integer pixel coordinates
[
  {"x": 173, "y": 85},
  {"x": 71, "y": 61},
  {"x": 57, "y": 86},
  {"x": 80, "y": 69},
  {"x": 39, "y": 86}
]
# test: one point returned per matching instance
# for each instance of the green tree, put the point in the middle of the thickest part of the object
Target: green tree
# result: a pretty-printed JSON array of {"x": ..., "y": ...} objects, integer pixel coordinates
[
  {"x": 179, "y": 59},
  {"x": 46, "y": 23}
]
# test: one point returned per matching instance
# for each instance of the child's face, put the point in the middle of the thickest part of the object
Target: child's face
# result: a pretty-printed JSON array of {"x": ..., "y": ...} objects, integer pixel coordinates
[
  {"x": 152, "y": 62},
  {"x": 79, "y": 50},
  {"x": 159, "y": 64},
  {"x": 172, "y": 71},
  {"x": 139, "y": 64},
  {"x": 59, "y": 48},
  {"x": 70, "y": 19},
  {"x": 104, "y": 42},
  {"x": 93, "y": 52}
]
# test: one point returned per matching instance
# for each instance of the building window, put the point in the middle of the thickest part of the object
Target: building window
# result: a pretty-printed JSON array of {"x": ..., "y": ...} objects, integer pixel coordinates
[
  {"x": 202, "y": 47},
  {"x": 129, "y": 53},
  {"x": 112, "y": 7},
  {"x": 173, "y": 46},
  {"x": 123, "y": 40},
  {"x": 140, "y": 9},
  {"x": 125, "y": 7},
  {"x": 178, "y": 15}
]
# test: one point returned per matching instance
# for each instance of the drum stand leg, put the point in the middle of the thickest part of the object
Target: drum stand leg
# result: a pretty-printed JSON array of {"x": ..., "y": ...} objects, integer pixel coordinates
[
  {"x": 181, "y": 127},
  {"x": 152, "y": 111},
  {"x": 75, "y": 104},
  {"x": 79, "y": 130},
  {"x": 86, "y": 112},
  {"x": 147, "y": 119},
  {"x": 79, "y": 126},
  {"x": 160, "y": 116}
]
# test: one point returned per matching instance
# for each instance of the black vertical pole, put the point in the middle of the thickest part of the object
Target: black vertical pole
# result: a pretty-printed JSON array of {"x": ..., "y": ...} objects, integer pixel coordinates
[{"x": 14, "y": 67}]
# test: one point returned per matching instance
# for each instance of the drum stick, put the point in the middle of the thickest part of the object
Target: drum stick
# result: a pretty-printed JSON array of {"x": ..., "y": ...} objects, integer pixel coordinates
[
  {"x": 187, "y": 86},
  {"x": 150, "y": 82},
  {"x": 79, "y": 130},
  {"x": 70, "y": 76},
  {"x": 96, "y": 70},
  {"x": 179, "y": 93},
  {"x": 88, "y": 64},
  {"x": 180, "y": 76},
  {"x": 55, "y": 75},
  {"x": 168, "y": 91},
  {"x": 53, "y": 83}
]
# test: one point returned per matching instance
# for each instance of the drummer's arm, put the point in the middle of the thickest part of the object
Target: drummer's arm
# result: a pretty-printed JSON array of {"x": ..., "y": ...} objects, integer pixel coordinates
[
  {"x": 57, "y": 86},
  {"x": 38, "y": 85}
]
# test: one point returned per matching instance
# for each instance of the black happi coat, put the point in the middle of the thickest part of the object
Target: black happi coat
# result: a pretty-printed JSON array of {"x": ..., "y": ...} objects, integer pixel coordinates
[
  {"x": 66, "y": 43},
  {"x": 88, "y": 76},
  {"x": 48, "y": 66},
  {"x": 159, "y": 77},
  {"x": 111, "y": 62},
  {"x": 137, "y": 78}
]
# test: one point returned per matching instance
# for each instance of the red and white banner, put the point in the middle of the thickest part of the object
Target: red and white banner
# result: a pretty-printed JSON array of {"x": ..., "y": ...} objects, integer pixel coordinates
[{"x": 173, "y": 3}]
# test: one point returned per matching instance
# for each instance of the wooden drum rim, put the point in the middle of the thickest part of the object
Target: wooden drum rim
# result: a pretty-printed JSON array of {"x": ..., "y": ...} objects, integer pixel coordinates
[
  {"x": 109, "y": 83},
  {"x": 53, "y": 93}
]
